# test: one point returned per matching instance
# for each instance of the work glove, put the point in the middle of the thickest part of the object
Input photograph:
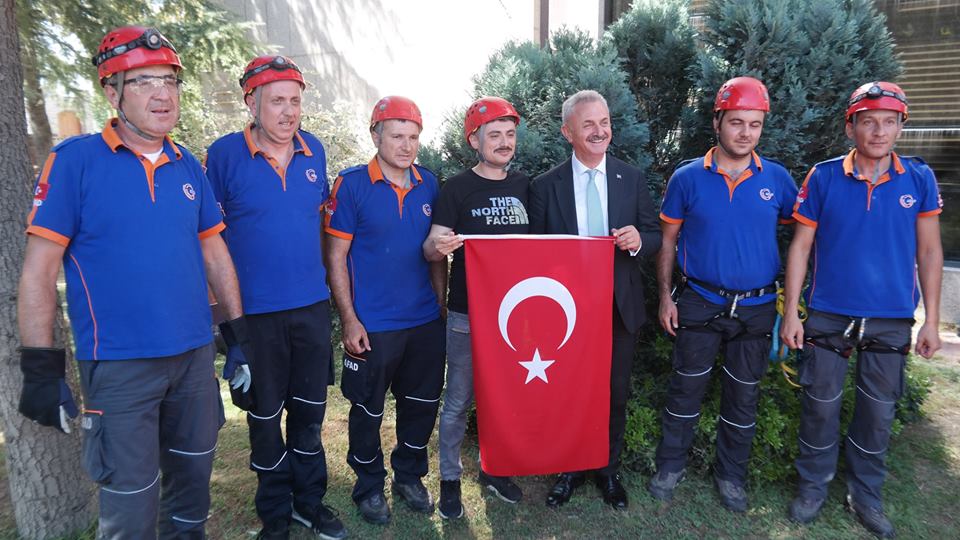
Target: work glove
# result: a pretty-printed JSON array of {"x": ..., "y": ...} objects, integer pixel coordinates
[
  {"x": 46, "y": 399},
  {"x": 236, "y": 370}
]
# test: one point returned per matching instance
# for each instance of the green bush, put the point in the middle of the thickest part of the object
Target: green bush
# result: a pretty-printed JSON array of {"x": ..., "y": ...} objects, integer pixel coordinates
[
  {"x": 810, "y": 55},
  {"x": 537, "y": 81}
]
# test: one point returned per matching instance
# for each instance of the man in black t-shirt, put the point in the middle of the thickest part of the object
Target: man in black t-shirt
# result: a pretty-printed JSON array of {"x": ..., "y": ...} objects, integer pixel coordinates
[{"x": 486, "y": 199}]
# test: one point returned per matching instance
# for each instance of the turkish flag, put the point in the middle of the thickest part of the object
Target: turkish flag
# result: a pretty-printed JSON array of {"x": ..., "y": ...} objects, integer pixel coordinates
[{"x": 541, "y": 311}]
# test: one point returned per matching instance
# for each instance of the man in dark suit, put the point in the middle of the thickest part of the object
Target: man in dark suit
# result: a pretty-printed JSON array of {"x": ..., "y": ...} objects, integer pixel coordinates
[{"x": 593, "y": 194}]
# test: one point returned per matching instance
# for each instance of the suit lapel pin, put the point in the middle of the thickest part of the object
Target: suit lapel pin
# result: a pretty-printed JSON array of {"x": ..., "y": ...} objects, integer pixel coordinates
[{"x": 618, "y": 176}]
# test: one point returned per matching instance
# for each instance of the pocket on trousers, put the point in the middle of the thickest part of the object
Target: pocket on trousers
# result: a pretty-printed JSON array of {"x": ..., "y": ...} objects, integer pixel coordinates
[
  {"x": 355, "y": 378},
  {"x": 221, "y": 414},
  {"x": 94, "y": 455}
]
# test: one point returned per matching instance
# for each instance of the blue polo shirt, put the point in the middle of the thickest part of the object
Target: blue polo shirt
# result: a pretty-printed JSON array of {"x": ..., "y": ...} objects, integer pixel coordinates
[
  {"x": 386, "y": 225},
  {"x": 728, "y": 236},
  {"x": 273, "y": 216},
  {"x": 136, "y": 285},
  {"x": 865, "y": 245}
]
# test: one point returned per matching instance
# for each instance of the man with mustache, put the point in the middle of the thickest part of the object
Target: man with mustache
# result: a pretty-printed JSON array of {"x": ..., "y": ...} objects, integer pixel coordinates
[
  {"x": 271, "y": 183},
  {"x": 132, "y": 219},
  {"x": 719, "y": 217},
  {"x": 486, "y": 199},
  {"x": 871, "y": 219},
  {"x": 389, "y": 297},
  {"x": 595, "y": 194}
]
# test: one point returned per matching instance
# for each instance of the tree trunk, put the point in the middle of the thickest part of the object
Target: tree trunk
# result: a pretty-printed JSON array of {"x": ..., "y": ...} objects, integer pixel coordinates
[
  {"x": 50, "y": 494},
  {"x": 36, "y": 105}
]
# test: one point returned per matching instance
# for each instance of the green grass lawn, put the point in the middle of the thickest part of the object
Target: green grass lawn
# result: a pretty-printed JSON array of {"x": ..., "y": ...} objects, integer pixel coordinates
[{"x": 922, "y": 492}]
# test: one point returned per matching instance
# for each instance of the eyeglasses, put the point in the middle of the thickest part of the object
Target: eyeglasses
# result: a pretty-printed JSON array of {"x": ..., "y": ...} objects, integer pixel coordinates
[
  {"x": 875, "y": 92},
  {"x": 279, "y": 63},
  {"x": 150, "y": 39},
  {"x": 152, "y": 84}
]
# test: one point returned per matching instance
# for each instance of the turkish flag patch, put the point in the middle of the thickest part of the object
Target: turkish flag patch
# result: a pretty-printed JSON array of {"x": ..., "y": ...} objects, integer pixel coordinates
[{"x": 541, "y": 332}]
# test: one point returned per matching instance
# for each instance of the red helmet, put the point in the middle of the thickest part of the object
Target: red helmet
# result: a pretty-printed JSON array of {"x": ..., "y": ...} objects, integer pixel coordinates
[
  {"x": 742, "y": 94},
  {"x": 487, "y": 109},
  {"x": 395, "y": 108},
  {"x": 130, "y": 47},
  {"x": 267, "y": 69},
  {"x": 877, "y": 95}
]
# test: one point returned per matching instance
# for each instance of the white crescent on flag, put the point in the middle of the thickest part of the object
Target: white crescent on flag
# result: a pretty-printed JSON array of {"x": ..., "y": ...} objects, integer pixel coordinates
[{"x": 537, "y": 286}]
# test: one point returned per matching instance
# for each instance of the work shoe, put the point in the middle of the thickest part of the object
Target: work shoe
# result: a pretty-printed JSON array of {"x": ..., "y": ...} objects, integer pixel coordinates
[
  {"x": 278, "y": 529},
  {"x": 872, "y": 518},
  {"x": 612, "y": 490},
  {"x": 663, "y": 483},
  {"x": 732, "y": 496},
  {"x": 804, "y": 510},
  {"x": 450, "y": 506},
  {"x": 416, "y": 496},
  {"x": 563, "y": 489},
  {"x": 321, "y": 520},
  {"x": 374, "y": 509},
  {"x": 501, "y": 486}
]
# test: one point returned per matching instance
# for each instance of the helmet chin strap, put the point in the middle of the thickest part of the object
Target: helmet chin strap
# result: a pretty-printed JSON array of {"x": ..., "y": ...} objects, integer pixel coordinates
[
  {"x": 123, "y": 117},
  {"x": 256, "y": 106}
]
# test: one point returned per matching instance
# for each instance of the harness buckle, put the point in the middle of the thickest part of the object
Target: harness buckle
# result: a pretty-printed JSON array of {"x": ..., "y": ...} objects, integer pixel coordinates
[{"x": 733, "y": 307}]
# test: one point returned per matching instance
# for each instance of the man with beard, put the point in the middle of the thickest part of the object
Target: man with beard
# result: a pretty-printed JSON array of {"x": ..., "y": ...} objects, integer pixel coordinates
[
  {"x": 271, "y": 183},
  {"x": 132, "y": 218},
  {"x": 486, "y": 199},
  {"x": 871, "y": 219},
  {"x": 595, "y": 194},
  {"x": 389, "y": 297},
  {"x": 720, "y": 215}
]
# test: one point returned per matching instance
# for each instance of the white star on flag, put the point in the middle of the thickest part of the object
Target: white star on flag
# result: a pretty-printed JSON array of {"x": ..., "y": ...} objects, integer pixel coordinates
[{"x": 536, "y": 368}]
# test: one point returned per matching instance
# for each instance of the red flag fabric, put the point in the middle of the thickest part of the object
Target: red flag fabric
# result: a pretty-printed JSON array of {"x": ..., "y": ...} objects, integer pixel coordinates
[{"x": 541, "y": 311}]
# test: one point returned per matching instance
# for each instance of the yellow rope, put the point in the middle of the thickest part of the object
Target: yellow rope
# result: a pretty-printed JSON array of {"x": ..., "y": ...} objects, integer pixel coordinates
[{"x": 788, "y": 372}]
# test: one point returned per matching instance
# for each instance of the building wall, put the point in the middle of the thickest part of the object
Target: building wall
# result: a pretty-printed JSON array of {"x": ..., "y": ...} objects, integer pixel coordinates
[{"x": 357, "y": 51}]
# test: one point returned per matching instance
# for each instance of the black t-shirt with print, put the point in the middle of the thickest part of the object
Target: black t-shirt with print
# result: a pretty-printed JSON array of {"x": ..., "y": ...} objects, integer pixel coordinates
[{"x": 471, "y": 204}]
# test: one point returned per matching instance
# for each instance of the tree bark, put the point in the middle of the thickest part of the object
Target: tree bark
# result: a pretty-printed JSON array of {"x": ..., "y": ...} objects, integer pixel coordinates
[
  {"x": 42, "y": 139},
  {"x": 50, "y": 494}
]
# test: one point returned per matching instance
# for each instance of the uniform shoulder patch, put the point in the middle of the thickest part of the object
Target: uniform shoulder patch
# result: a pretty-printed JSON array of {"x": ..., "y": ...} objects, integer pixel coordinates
[
  {"x": 352, "y": 170},
  {"x": 685, "y": 163},
  {"x": 837, "y": 160},
  {"x": 916, "y": 159},
  {"x": 72, "y": 141}
]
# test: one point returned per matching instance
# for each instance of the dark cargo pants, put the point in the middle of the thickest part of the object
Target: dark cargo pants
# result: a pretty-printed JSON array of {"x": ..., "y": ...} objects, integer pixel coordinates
[
  {"x": 746, "y": 344},
  {"x": 293, "y": 368},
  {"x": 410, "y": 363},
  {"x": 879, "y": 383},
  {"x": 150, "y": 429}
]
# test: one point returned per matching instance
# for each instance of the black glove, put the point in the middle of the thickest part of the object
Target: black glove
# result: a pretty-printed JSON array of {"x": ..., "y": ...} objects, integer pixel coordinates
[
  {"x": 235, "y": 336},
  {"x": 46, "y": 398}
]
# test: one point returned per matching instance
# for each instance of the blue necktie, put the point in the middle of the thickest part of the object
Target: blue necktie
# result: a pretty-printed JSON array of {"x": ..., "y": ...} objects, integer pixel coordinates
[{"x": 595, "y": 222}]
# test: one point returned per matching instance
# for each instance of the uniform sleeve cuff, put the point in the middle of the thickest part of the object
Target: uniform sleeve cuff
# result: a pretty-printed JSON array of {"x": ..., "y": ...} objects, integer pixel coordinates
[
  {"x": 803, "y": 220},
  {"x": 669, "y": 219},
  {"x": 338, "y": 234},
  {"x": 216, "y": 229},
  {"x": 931, "y": 213},
  {"x": 46, "y": 233}
]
